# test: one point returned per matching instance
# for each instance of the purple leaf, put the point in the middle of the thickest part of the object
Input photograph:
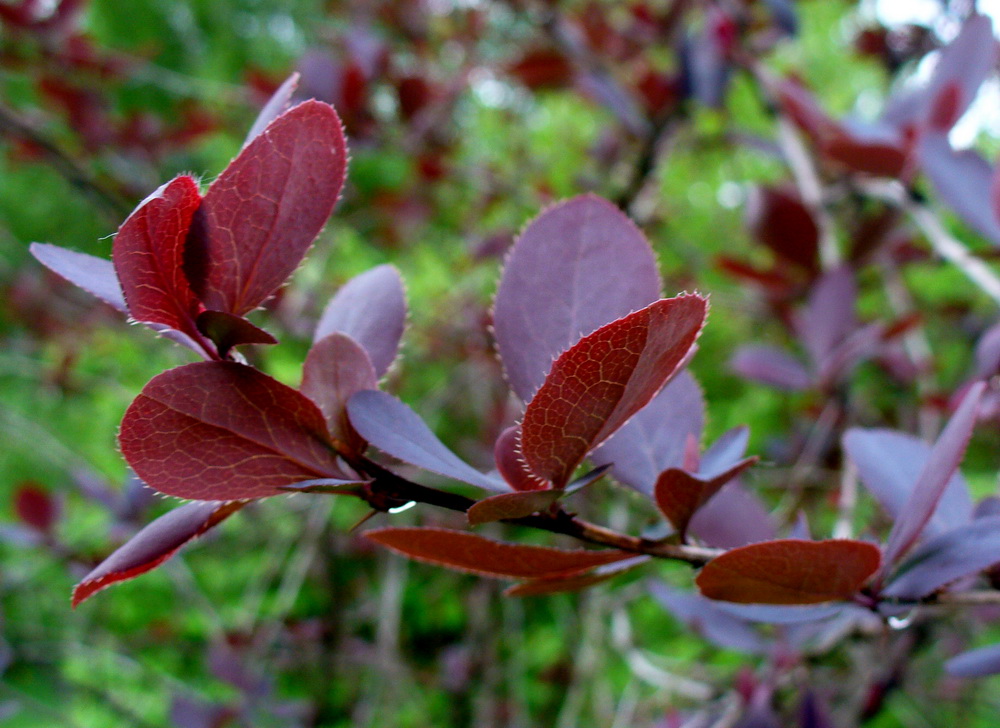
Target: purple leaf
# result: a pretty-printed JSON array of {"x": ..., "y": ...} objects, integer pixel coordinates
[
  {"x": 154, "y": 544},
  {"x": 574, "y": 582},
  {"x": 655, "y": 438},
  {"x": 397, "y": 430},
  {"x": 733, "y": 518},
  {"x": 963, "y": 551},
  {"x": 558, "y": 285},
  {"x": 963, "y": 181},
  {"x": 975, "y": 663},
  {"x": 679, "y": 494},
  {"x": 724, "y": 452},
  {"x": 771, "y": 366},
  {"x": 780, "y": 613},
  {"x": 704, "y": 617},
  {"x": 275, "y": 107},
  {"x": 828, "y": 318},
  {"x": 988, "y": 353},
  {"x": 371, "y": 309},
  {"x": 940, "y": 467},
  {"x": 511, "y": 505},
  {"x": 227, "y": 330},
  {"x": 260, "y": 216},
  {"x": 94, "y": 275},
  {"x": 335, "y": 369},
  {"x": 889, "y": 464}
]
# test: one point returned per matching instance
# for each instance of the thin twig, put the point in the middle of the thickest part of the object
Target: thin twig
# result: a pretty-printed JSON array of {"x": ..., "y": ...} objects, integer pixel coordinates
[{"x": 846, "y": 501}]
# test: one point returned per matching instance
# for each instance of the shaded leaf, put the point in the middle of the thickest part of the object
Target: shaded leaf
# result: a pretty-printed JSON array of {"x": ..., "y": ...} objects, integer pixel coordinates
[
  {"x": 778, "y": 219},
  {"x": 603, "y": 380},
  {"x": 227, "y": 330},
  {"x": 260, "y": 216},
  {"x": 878, "y": 157},
  {"x": 148, "y": 257},
  {"x": 154, "y": 544},
  {"x": 556, "y": 285},
  {"x": 655, "y": 438},
  {"x": 725, "y": 452},
  {"x": 335, "y": 369},
  {"x": 771, "y": 366},
  {"x": 975, "y": 663},
  {"x": 574, "y": 582},
  {"x": 789, "y": 572},
  {"x": 371, "y": 309},
  {"x": 478, "y": 555},
  {"x": 510, "y": 464},
  {"x": 395, "y": 429},
  {"x": 330, "y": 486},
  {"x": 94, "y": 275},
  {"x": 734, "y": 517},
  {"x": 934, "y": 477},
  {"x": 36, "y": 507},
  {"x": 704, "y": 617},
  {"x": 511, "y": 505},
  {"x": 889, "y": 464},
  {"x": 828, "y": 318},
  {"x": 963, "y": 181},
  {"x": 781, "y": 614},
  {"x": 963, "y": 551},
  {"x": 680, "y": 494},
  {"x": 275, "y": 106},
  {"x": 224, "y": 431}
]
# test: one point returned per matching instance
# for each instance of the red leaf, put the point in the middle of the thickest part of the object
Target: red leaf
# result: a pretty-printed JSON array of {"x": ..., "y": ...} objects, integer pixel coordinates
[
  {"x": 154, "y": 544},
  {"x": 511, "y": 505},
  {"x": 227, "y": 330},
  {"x": 511, "y": 465},
  {"x": 790, "y": 572},
  {"x": 574, "y": 582},
  {"x": 577, "y": 266},
  {"x": 260, "y": 216},
  {"x": 680, "y": 494},
  {"x": 542, "y": 68},
  {"x": 478, "y": 555},
  {"x": 335, "y": 368},
  {"x": 148, "y": 256},
  {"x": 224, "y": 431},
  {"x": 604, "y": 379},
  {"x": 879, "y": 158},
  {"x": 779, "y": 220},
  {"x": 36, "y": 507}
]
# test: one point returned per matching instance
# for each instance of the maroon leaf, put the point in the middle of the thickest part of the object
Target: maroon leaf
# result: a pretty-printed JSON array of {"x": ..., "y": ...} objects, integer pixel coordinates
[
  {"x": 574, "y": 582},
  {"x": 975, "y": 663},
  {"x": 930, "y": 486},
  {"x": 771, "y": 366},
  {"x": 680, "y": 494},
  {"x": 274, "y": 107},
  {"x": 734, "y": 517},
  {"x": 154, "y": 544},
  {"x": 94, "y": 275},
  {"x": 557, "y": 286},
  {"x": 889, "y": 464},
  {"x": 511, "y": 505},
  {"x": 789, "y": 572},
  {"x": 335, "y": 368},
  {"x": 397, "y": 430},
  {"x": 510, "y": 463},
  {"x": 371, "y": 309},
  {"x": 654, "y": 439},
  {"x": 35, "y": 507},
  {"x": 603, "y": 380},
  {"x": 961, "y": 552},
  {"x": 227, "y": 330},
  {"x": 148, "y": 256},
  {"x": 478, "y": 555},
  {"x": 224, "y": 431},
  {"x": 881, "y": 158},
  {"x": 260, "y": 216},
  {"x": 779, "y": 220}
]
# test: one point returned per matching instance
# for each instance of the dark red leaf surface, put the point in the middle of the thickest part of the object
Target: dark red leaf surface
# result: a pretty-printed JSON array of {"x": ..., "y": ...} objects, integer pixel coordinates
[
  {"x": 577, "y": 266},
  {"x": 510, "y": 463},
  {"x": 397, "y": 430},
  {"x": 154, "y": 544},
  {"x": 574, "y": 582},
  {"x": 654, "y": 439},
  {"x": 36, "y": 507},
  {"x": 478, "y": 555},
  {"x": 260, "y": 216},
  {"x": 227, "y": 330},
  {"x": 941, "y": 465},
  {"x": 790, "y": 572},
  {"x": 869, "y": 156},
  {"x": 779, "y": 220},
  {"x": 603, "y": 380},
  {"x": 335, "y": 368},
  {"x": 224, "y": 431},
  {"x": 148, "y": 255},
  {"x": 511, "y": 505},
  {"x": 371, "y": 309},
  {"x": 680, "y": 494},
  {"x": 94, "y": 275}
]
